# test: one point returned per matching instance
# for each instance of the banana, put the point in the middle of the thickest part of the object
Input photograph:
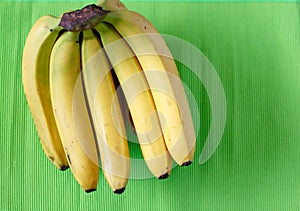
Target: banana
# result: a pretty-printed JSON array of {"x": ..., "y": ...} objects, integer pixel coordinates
[
  {"x": 112, "y": 5},
  {"x": 105, "y": 112},
  {"x": 69, "y": 103},
  {"x": 140, "y": 101},
  {"x": 35, "y": 78},
  {"x": 162, "y": 77},
  {"x": 71, "y": 93}
]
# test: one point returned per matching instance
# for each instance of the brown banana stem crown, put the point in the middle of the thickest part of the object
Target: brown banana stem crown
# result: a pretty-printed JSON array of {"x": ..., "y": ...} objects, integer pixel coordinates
[{"x": 83, "y": 19}]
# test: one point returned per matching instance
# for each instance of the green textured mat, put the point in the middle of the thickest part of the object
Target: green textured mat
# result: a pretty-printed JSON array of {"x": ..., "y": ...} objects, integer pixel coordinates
[{"x": 255, "y": 49}]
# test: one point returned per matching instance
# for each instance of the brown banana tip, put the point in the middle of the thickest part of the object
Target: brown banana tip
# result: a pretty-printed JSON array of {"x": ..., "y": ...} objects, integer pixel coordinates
[
  {"x": 119, "y": 191},
  {"x": 63, "y": 168},
  {"x": 164, "y": 176},
  {"x": 187, "y": 163},
  {"x": 90, "y": 190}
]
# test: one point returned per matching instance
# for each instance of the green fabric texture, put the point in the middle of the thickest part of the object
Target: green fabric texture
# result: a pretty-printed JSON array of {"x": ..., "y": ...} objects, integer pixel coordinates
[{"x": 255, "y": 49}]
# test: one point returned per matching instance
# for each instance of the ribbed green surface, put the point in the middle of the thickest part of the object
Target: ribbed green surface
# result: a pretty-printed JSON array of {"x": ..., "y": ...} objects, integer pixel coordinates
[
  {"x": 255, "y": 49},
  {"x": 131, "y": 1}
]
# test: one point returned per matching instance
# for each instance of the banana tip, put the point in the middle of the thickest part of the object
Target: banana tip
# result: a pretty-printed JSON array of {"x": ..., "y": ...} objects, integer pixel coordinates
[
  {"x": 187, "y": 163},
  {"x": 90, "y": 190},
  {"x": 164, "y": 176},
  {"x": 119, "y": 191},
  {"x": 63, "y": 168}
]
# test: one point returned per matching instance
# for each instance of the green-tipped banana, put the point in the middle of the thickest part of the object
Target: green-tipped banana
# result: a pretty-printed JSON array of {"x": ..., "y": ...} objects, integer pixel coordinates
[
  {"x": 35, "y": 77},
  {"x": 160, "y": 72},
  {"x": 70, "y": 110},
  {"x": 106, "y": 113},
  {"x": 139, "y": 99}
]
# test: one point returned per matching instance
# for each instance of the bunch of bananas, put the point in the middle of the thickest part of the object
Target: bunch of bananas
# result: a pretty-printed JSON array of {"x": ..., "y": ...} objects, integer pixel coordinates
[{"x": 71, "y": 70}]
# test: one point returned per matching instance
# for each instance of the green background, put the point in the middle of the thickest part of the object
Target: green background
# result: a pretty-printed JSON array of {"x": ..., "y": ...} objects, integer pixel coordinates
[{"x": 255, "y": 49}]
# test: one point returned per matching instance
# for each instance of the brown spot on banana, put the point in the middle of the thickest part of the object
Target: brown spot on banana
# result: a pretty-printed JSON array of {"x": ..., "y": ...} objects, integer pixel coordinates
[
  {"x": 51, "y": 158},
  {"x": 69, "y": 159}
]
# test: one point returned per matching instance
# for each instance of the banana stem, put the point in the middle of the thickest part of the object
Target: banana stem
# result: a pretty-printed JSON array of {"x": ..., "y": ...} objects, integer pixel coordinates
[
  {"x": 83, "y": 19},
  {"x": 89, "y": 16}
]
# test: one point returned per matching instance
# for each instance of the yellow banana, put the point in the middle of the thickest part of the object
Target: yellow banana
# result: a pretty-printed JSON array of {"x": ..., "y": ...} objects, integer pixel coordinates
[
  {"x": 67, "y": 78},
  {"x": 35, "y": 78},
  {"x": 177, "y": 129},
  {"x": 105, "y": 112},
  {"x": 112, "y": 5},
  {"x": 69, "y": 103},
  {"x": 139, "y": 99}
]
